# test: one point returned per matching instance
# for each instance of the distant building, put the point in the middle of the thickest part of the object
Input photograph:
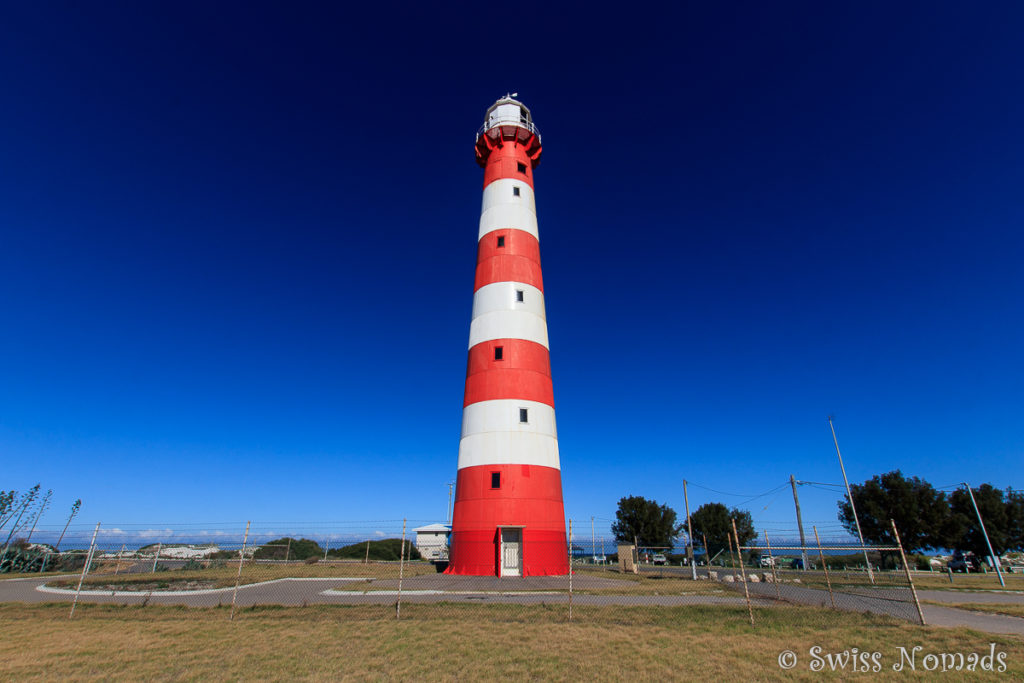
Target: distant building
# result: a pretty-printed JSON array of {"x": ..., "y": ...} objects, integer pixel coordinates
[{"x": 432, "y": 541}]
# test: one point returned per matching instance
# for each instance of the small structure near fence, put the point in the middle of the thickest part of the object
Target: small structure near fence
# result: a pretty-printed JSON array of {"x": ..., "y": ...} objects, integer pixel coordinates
[{"x": 628, "y": 561}]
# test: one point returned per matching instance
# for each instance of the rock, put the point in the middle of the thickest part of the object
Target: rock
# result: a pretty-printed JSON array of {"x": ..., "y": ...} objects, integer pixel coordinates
[
  {"x": 713, "y": 576},
  {"x": 768, "y": 578},
  {"x": 728, "y": 578},
  {"x": 754, "y": 578},
  {"x": 797, "y": 581}
]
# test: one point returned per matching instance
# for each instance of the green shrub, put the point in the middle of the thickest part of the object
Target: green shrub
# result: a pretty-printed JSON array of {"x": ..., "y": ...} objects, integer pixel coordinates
[
  {"x": 293, "y": 549},
  {"x": 386, "y": 550}
]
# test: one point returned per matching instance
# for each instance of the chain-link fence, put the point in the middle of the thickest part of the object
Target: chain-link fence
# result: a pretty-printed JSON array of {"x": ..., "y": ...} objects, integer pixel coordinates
[{"x": 390, "y": 571}]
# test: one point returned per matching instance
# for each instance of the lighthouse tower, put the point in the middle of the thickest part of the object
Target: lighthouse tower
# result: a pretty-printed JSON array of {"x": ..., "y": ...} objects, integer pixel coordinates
[{"x": 509, "y": 519}]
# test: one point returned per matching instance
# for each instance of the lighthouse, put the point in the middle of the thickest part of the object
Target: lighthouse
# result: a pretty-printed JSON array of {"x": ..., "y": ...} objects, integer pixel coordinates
[{"x": 509, "y": 519}]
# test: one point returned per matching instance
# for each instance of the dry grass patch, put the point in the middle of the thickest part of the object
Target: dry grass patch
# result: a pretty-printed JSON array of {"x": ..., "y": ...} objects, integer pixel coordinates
[
  {"x": 451, "y": 642},
  {"x": 990, "y": 608},
  {"x": 224, "y": 576}
]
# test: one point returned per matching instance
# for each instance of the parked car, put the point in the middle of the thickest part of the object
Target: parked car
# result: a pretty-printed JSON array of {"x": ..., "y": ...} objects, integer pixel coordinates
[
  {"x": 767, "y": 561},
  {"x": 796, "y": 564},
  {"x": 659, "y": 558}
]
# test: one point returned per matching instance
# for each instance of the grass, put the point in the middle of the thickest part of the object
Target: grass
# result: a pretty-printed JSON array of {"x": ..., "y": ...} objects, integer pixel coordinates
[
  {"x": 224, "y": 577},
  {"x": 990, "y": 608},
  {"x": 451, "y": 642}
]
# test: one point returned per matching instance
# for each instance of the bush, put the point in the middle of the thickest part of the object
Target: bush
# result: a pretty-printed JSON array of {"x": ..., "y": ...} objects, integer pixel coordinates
[
  {"x": 294, "y": 549},
  {"x": 386, "y": 550}
]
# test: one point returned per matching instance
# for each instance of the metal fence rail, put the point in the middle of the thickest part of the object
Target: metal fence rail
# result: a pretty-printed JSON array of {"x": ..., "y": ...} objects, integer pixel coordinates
[{"x": 377, "y": 573}]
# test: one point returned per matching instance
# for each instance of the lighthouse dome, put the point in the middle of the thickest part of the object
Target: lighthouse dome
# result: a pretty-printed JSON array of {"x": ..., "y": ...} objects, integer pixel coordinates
[{"x": 506, "y": 115}]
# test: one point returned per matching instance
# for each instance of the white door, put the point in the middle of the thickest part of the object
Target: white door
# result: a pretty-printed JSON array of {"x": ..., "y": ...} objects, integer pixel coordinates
[{"x": 511, "y": 552}]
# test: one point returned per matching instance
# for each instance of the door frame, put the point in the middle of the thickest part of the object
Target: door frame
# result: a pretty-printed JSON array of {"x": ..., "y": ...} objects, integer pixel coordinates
[{"x": 501, "y": 550}]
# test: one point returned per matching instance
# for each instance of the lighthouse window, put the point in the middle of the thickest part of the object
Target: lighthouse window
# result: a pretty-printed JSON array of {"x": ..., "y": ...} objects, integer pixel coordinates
[
  {"x": 519, "y": 295},
  {"x": 524, "y": 415},
  {"x": 521, "y": 168},
  {"x": 501, "y": 241},
  {"x": 499, "y": 352},
  {"x": 515, "y": 191},
  {"x": 495, "y": 480}
]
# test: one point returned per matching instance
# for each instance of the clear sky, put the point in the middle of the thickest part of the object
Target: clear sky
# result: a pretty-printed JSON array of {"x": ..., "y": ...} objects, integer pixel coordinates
[{"x": 238, "y": 245}]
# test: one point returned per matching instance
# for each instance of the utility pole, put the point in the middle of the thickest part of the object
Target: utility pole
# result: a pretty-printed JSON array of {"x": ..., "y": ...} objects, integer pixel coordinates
[
  {"x": 593, "y": 540},
  {"x": 689, "y": 533},
  {"x": 992, "y": 554},
  {"x": 450, "y": 484},
  {"x": 853, "y": 508},
  {"x": 799, "y": 523}
]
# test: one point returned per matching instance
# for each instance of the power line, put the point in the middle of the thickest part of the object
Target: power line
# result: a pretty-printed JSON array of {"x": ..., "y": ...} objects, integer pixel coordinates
[{"x": 747, "y": 497}]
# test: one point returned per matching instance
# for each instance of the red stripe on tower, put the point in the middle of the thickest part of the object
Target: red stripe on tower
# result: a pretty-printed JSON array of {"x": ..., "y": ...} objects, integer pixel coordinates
[{"x": 508, "y": 519}]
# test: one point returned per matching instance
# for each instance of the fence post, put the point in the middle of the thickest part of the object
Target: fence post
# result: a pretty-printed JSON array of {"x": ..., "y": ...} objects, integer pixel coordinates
[
  {"x": 327, "y": 546},
  {"x": 85, "y": 569},
  {"x": 156, "y": 558},
  {"x": 771, "y": 561},
  {"x": 367, "y": 560},
  {"x": 824, "y": 565},
  {"x": 743, "y": 574},
  {"x": 401, "y": 574},
  {"x": 238, "y": 578},
  {"x": 906, "y": 567},
  {"x": 117, "y": 562},
  {"x": 570, "y": 570},
  {"x": 732, "y": 558}
]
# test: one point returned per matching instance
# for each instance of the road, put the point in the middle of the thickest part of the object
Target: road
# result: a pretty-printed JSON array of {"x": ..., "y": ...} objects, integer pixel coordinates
[
  {"x": 420, "y": 589},
  {"x": 536, "y": 590},
  {"x": 899, "y": 603}
]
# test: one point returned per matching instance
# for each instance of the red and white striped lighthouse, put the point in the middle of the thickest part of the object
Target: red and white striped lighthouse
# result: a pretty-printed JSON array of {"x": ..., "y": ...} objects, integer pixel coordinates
[{"x": 509, "y": 519}]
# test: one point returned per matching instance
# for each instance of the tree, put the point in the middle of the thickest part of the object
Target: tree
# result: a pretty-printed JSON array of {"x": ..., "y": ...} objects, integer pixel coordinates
[
  {"x": 921, "y": 513},
  {"x": 999, "y": 513},
  {"x": 650, "y": 524},
  {"x": 713, "y": 521},
  {"x": 1015, "y": 518},
  {"x": 75, "y": 507}
]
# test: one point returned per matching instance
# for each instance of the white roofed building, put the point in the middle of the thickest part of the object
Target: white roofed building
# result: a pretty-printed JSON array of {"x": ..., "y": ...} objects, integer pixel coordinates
[{"x": 432, "y": 541}]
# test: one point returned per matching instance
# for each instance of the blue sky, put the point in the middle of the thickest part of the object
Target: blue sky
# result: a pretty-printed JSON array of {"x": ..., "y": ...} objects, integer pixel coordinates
[{"x": 239, "y": 242}]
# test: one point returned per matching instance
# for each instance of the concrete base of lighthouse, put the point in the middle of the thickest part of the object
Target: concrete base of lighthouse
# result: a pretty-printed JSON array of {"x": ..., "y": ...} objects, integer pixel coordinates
[{"x": 518, "y": 525}]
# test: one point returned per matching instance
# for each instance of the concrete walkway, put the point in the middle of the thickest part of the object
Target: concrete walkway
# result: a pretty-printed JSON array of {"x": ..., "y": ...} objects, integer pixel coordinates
[
  {"x": 899, "y": 604},
  {"x": 430, "y": 588},
  {"x": 530, "y": 590}
]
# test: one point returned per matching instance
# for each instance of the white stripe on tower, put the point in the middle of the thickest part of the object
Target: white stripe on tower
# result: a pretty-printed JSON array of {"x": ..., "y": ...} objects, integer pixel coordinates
[
  {"x": 502, "y": 208},
  {"x": 508, "y": 310}
]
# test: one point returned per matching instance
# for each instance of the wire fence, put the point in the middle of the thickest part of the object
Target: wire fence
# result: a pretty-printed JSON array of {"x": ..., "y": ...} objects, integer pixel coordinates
[{"x": 388, "y": 570}]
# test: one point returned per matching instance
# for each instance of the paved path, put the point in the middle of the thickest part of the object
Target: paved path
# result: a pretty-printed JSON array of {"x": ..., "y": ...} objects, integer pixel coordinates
[
  {"x": 420, "y": 589},
  {"x": 955, "y": 597},
  {"x": 531, "y": 590},
  {"x": 896, "y": 603}
]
